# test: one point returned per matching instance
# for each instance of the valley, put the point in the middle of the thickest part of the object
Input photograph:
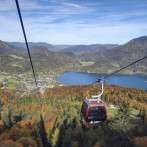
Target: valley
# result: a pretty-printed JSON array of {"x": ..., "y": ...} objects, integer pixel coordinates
[
  {"x": 87, "y": 58},
  {"x": 51, "y": 116},
  {"x": 16, "y": 72}
]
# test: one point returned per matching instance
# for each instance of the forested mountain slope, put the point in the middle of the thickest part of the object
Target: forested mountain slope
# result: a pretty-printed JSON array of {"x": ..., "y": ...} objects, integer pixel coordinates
[
  {"x": 16, "y": 59},
  {"x": 102, "y": 66},
  {"x": 6, "y": 48},
  {"x": 44, "y": 51},
  {"x": 60, "y": 123},
  {"x": 132, "y": 50},
  {"x": 121, "y": 56}
]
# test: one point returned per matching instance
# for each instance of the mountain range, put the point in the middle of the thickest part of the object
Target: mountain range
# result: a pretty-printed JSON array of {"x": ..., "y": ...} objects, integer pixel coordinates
[
  {"x": 31, "y": 44},
  {"x": 76, "y": 49},
  {"x": 80, "y": 49},
  {"x": 104, "y": 58}
]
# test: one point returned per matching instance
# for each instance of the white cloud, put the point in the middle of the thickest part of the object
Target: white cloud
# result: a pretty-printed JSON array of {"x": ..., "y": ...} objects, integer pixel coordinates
[{"x": 73, "y": 5}]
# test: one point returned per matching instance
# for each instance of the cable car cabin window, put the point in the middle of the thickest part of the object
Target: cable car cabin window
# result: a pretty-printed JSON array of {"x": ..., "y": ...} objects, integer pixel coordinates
[
  {"x": 84, "y": 109},
  {"x": 98, "y": 110},
  {"x": 96, "y": 113}
]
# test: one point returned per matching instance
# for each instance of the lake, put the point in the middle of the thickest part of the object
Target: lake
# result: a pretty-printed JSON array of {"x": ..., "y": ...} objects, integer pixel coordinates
[{"x": 81, "y": 78}]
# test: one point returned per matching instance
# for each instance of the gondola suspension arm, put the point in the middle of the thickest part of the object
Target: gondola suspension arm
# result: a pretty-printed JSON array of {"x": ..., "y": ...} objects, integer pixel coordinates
[{"x": 102, "y": 90}]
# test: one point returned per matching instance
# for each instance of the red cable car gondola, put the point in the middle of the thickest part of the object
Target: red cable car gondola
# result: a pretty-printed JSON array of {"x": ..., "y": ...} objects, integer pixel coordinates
[{"x": 94, "y": 111}]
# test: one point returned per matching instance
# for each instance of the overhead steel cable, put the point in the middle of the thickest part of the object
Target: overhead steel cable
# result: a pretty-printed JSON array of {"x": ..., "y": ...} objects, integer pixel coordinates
[
  {"x": 121, "y": 69},
  {"x": 124, "y": 67},
  {"x": 23, "y": 29}
]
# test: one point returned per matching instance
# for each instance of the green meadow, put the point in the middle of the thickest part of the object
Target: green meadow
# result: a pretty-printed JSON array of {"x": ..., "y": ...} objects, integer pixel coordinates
[{"x": 16, "y": 57}]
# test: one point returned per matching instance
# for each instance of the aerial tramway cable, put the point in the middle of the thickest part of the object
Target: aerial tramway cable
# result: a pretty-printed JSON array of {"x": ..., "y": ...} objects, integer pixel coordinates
[{"x": 23, "y": 29}]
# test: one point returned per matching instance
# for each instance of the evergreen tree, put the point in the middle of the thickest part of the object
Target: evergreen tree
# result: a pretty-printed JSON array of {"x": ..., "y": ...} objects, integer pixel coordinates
[
  {"x": 142, "y": 114},
  {"x": 67, "y": 139},
  {"x": 120, "y": 128}
]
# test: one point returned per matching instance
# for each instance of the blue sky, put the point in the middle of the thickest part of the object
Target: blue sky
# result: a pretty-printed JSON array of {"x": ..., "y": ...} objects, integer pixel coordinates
[{"x": 74, "y": 21}]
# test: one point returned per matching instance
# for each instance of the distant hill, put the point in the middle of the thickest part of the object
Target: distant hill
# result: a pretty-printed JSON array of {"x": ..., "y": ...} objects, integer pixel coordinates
[
  {"x": 31, "y": 44},
  {"x": 5, "y": 48},
  {"x": 61, "y": 47},
  {"x": 123, "y": 55},
  {"x": 129, "y": 52},
  {"x": 42, "y": 50},
  {"x": 80, "y": 49},
  {"x": 43, "y": 44},
  {"x": 44, "y": 59},
  {"x": 76, "y": 49},
  {"x": 102, "y": 66},
  {"x": 15, "y": 59},
  {"x": 58, "y": 55}
]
